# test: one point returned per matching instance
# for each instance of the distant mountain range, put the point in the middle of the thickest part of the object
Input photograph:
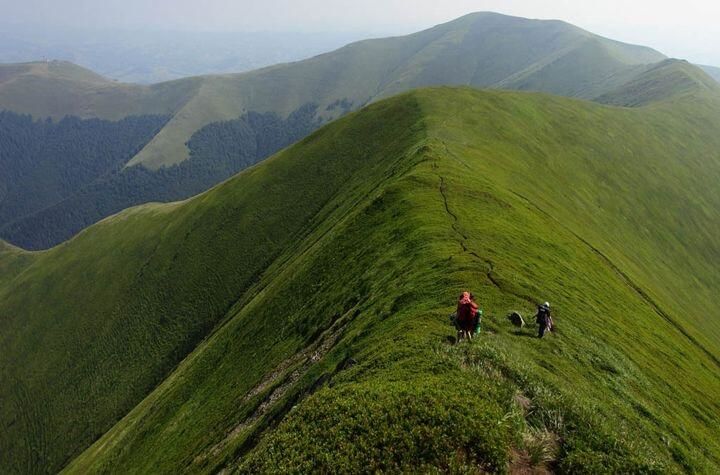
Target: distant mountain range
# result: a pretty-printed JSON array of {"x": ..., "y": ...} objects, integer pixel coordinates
[
  {"x": 153, "y": 56},
  {"x": 213, "y": 124}
]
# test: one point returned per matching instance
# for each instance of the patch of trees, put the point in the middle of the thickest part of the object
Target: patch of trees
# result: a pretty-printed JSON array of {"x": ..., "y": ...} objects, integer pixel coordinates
[
  {"x": 225, "y": 148},
  {"x": 217, "y": 151}
]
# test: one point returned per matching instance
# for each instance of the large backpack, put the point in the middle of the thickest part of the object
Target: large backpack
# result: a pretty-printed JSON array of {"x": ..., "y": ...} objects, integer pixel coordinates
[
  {"x": 466, "y": 313},
  {"x": 542, "y": 316}
]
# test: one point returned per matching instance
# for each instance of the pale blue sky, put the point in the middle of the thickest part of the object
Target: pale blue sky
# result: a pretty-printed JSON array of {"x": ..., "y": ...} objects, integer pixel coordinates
[{"x": 689, "y": 29}]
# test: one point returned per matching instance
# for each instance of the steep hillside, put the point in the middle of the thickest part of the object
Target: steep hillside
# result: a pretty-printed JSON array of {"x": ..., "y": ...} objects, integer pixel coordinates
[
  {"x": 135, "y": 293},
  {"x": 306, "y": 302},
  {"x": 659, "y": 82},
  {"x": 482, "y": 49}
]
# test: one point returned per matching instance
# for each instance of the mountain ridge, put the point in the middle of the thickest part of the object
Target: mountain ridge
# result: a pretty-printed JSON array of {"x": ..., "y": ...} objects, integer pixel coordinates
[
  {"x": 55, "y": 89},
  {"x": 384, "y": 83},
  {"x": 219, "y": 124},
  {"x": 216, "y": 123},
  {"x": 295, "y": 453},
  {"x": 403, "y": 203},
  {"x": 538, "y": 39},
  {"x": 54, "y": 69},
  {"x": 662, "y": 82}
]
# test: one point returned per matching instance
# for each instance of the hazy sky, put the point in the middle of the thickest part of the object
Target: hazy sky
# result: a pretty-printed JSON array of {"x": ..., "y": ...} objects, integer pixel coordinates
[{"x": 687, "y": 29}]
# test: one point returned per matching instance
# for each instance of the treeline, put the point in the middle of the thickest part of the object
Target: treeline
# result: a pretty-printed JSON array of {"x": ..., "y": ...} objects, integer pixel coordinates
[{"x": 217, "y": 152}]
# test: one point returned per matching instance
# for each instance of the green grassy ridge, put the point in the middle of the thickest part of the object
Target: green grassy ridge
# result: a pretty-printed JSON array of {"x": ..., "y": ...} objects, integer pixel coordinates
[
  {"x": 602, "y": 361},
  {"x": 464, "y": 203},
  {"x": 91, "y": 326},
  {"x": 337, "y": 293}
]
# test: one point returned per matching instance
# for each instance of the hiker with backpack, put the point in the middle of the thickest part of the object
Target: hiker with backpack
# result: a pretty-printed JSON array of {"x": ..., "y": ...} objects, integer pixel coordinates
[
  {"x": 544, "y": 319},
  {"x": 467, "y": 316}
]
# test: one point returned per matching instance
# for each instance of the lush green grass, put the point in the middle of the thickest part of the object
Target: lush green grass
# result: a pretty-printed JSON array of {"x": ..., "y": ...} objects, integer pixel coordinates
[
  {"x": 607, "y": 384},
  {"x": 91, "y": 326},
  {"x": 321, "y": 281}
]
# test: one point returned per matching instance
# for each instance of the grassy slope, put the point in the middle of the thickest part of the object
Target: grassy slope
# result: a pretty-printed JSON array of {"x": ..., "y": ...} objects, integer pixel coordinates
[
  {"x": 12, "y": 261},
  {"x": 587, "y": 71},
  {"x": 519, "y": 197},
  {"x": 660, "y": 82},
  {"x": 57, "y": 88},
  {"x": 90, "y": 327}
]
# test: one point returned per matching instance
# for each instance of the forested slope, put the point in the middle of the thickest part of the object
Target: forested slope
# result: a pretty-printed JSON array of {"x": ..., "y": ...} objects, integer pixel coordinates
[
  {"x": 45, "y": 162},
  {"x": 68, "y": 175}
]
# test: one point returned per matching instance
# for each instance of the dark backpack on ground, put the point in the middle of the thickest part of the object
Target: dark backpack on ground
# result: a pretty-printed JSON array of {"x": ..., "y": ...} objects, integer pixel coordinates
[{"x": 516, "y": 319}]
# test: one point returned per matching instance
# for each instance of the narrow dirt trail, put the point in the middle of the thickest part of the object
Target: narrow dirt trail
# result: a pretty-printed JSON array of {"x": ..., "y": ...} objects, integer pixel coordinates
[{"x": 462, "y": 240}]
